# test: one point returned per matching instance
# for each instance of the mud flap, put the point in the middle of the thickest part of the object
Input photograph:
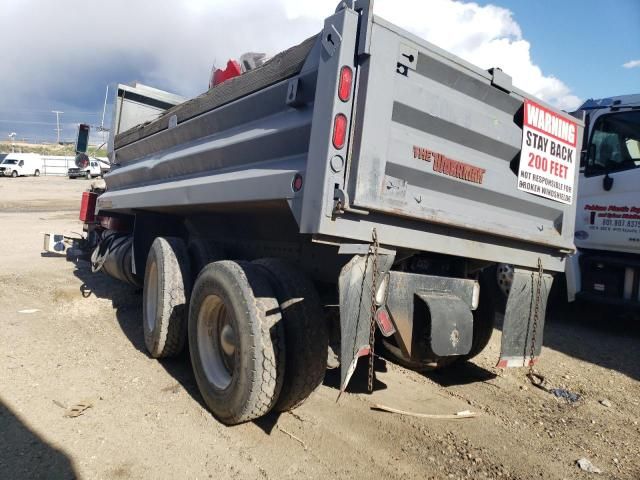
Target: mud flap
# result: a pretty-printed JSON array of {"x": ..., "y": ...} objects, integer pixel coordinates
[
  {"x": 354, "y": 284},
  {"x": 451, "y": 325},
  {"x": 518, "y": 327}
]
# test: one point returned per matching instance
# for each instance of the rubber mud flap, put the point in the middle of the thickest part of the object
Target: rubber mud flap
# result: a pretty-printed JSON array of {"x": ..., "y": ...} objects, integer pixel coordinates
[
  {"x": 354, "y": 284},
  {"x": 451, "y": 324},
  {"x": 518, "y": 327}
]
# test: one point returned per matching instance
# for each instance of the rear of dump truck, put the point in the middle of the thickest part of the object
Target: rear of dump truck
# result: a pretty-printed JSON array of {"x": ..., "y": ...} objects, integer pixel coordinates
[{"x": 350, "y": 191}]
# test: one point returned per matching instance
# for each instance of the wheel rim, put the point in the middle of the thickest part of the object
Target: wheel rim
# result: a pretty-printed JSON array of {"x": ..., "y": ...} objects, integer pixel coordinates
[
  {"x": 504, "y": 277},
  {"x": 217, "y": 342},
  {"x": 152, "y": 297}
]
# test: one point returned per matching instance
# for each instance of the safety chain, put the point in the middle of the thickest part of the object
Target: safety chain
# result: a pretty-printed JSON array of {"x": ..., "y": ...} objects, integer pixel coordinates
[
  {"x": 373, "y": 252},
  {"x": 536, "y": 313}
]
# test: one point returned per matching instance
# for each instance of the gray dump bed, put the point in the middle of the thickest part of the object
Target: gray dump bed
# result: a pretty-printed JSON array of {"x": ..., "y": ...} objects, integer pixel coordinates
[{"x": 431, "y": 160}]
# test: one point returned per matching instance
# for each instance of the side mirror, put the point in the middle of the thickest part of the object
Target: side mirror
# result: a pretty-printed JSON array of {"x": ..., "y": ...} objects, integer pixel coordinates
[{"x": 607, "y": 182}]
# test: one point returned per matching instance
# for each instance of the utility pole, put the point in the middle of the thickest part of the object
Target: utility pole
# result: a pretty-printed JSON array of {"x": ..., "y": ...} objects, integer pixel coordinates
[
  {"x": 104, "y": 110},
  {"x": 58, "y": 113}
]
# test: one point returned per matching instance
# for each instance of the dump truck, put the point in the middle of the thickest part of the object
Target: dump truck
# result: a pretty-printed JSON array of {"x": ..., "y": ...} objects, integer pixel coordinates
[{"x": 345, "y": 197}]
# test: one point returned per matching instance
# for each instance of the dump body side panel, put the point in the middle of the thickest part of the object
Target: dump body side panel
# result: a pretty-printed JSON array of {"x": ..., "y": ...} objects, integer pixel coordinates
[{"x": 248, "y": 149}]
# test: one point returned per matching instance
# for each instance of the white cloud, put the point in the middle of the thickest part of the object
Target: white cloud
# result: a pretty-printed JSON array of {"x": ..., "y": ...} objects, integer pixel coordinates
[
  {"x": 631, "y": 64},
  {"x": 487, "y": 36},
  {"x": 62, "y": 54}
]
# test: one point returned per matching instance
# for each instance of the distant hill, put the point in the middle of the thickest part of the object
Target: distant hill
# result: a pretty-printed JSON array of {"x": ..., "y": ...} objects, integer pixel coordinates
[{"x": 48, "y": 149}]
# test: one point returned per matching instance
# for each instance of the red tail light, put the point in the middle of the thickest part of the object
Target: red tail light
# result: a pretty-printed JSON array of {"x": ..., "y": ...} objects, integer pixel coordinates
[
  {"x": 344, "y": 86},
  {"x": 339, "y": 131},
  {"x": 88, "y": 207}
]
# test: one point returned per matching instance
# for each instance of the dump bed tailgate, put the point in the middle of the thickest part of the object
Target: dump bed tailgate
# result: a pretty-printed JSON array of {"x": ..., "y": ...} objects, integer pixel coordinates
[{"x": 439, "y": 140}]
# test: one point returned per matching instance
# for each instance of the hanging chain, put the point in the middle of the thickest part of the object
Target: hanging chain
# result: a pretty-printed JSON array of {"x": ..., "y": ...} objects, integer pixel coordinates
[
  {"x": 373, "y": 254},
  {"x": 536, "y": 313}
]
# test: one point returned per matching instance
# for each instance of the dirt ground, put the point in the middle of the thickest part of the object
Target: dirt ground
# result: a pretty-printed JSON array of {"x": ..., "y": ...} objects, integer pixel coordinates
[{"x": 67, "y": 336}]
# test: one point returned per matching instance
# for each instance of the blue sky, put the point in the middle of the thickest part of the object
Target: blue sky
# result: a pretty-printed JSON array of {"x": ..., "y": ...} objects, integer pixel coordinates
[
  {"x": 562, "y": 51},
  {"x": 584, "y": 43}
]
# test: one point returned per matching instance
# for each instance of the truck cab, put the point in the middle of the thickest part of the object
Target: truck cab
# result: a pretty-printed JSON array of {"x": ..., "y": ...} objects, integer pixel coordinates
[
  {"x": 606, "y": 267},
  {"x": 20, "y": 165}
]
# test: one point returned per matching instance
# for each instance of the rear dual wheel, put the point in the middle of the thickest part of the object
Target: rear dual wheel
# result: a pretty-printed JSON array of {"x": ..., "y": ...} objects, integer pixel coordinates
[
  {"x": 257, "y": 338},
  {"x": 236, "y": 341},
  {"x": 306, "y": 332}
]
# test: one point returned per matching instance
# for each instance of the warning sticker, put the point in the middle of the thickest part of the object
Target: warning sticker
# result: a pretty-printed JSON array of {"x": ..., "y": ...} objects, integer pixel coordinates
[{"x": 549, "y": 154}]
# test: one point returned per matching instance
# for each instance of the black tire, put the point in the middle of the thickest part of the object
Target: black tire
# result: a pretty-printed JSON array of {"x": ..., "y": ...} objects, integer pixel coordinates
[
  {"x": 240, "y": 372},
  {"x": 202, "y": 253},
  {"x": 306, "y": 332},
  {"x": 14, "y": 174},
  {"x": 491, "y": 282},
  {"x": 167, "y": 283},
  {"x": 36, "y": 173}
]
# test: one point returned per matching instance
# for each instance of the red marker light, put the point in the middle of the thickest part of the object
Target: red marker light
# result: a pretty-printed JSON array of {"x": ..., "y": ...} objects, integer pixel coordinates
[
  {"x": 296, "y": 184},
  {"x": 344, "y": 86},
  {"x": 384, "y": 322},
  {"x": 339, "y": 131}
]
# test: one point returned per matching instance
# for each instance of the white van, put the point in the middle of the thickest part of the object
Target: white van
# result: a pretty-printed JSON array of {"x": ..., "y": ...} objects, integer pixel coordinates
[{"x": 21, "y": 165}]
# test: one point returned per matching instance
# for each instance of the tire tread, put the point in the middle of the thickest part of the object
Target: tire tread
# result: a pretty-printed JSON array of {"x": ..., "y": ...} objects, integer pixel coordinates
[{"x": 306, "y": 333}]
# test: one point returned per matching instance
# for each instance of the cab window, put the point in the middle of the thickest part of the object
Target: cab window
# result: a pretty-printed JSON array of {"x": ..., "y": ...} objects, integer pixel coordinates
[
  {"x": 615, "y": 143},
  {"x": 21, "y": 164}
]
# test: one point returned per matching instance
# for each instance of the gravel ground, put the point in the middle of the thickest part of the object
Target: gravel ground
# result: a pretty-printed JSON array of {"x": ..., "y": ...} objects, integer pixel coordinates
[{"x": 68, "y": 337}]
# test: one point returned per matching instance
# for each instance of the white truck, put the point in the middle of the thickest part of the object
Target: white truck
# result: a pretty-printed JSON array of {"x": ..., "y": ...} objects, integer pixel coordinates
[
  {"x": 21, "y": 165},
  {"x": 606, "y": 267},
  {"x": 86, "y": 166}
]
